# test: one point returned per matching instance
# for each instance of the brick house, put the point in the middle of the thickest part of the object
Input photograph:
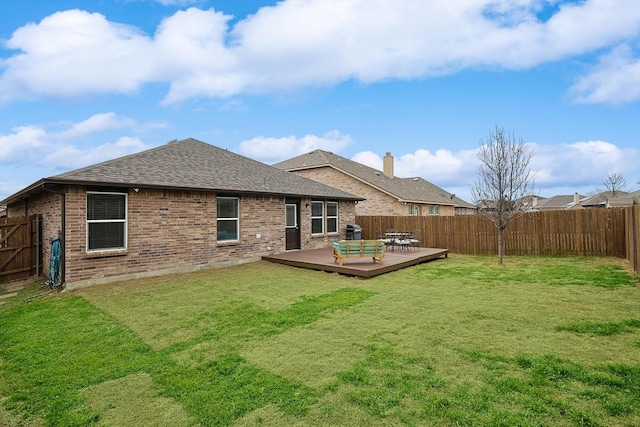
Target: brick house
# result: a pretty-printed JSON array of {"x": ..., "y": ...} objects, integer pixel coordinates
[
  {"x": 183, "y": 206},
  {"x": 384, "y": 193}
]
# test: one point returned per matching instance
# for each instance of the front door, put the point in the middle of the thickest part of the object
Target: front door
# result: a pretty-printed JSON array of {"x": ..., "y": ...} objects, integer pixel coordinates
[{"x": 292, "y": 223}]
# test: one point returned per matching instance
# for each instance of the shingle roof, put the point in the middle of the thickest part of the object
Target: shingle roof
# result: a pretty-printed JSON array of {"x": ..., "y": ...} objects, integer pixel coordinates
[
  {"x": 405, "y": 189},
  {"x": 606, "y": 198},
  {"x": 629, "y": 199},
  {"x": 193, "y": 165},
  {"x": 558, "y": 202}
]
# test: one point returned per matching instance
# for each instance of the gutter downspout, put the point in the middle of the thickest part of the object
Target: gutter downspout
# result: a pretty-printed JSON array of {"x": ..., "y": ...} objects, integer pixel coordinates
[{"x": 61, "y": 232}]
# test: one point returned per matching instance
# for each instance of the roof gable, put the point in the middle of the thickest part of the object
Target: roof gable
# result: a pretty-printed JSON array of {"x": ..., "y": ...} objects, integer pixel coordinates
[{"x": 413, "y": 189}]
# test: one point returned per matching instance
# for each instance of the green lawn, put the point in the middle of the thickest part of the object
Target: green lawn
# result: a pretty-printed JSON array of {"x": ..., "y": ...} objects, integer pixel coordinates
[{"x": 456, "y": 341}]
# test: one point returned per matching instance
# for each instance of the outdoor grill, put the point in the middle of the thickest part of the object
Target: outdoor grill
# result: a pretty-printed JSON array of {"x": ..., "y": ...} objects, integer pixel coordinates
[{"x": 354, "y": 232}]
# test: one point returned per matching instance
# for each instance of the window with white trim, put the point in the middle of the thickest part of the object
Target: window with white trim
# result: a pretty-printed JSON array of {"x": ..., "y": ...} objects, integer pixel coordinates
[
  {"x": 332, "y": 217},
  {"x": 434, "y": 210},
  {"x": 106, "y": 221},
  {"x": 228, "y": 218},
  {"x": 317, "y": 217}
]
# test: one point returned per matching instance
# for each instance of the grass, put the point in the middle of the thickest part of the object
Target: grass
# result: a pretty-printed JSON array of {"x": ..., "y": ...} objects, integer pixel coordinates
[{"x": 457, "y": 341}]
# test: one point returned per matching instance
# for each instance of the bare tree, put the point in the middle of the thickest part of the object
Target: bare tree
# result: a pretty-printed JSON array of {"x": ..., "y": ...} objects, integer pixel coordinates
[
  {"x": 505, "y": 181},
  {"x": 615, "y": 184}
]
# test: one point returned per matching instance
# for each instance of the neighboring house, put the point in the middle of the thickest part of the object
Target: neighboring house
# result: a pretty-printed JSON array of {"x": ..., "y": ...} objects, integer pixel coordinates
[
  {"x": 523, "y": 204},
  {"x": 183, "y": 206},
  {"x": 600, "y": 200},
  {"x": 606, "y": 199},
  {"x": 561, "y": 202},
  {"x": 384, "y": 193},
  {"x": 628, "y": 199},
  {"x": 577, "y": 201}
]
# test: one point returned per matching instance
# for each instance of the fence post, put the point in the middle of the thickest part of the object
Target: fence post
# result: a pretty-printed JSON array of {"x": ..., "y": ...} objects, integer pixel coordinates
[{"x": 633, "y": 254}]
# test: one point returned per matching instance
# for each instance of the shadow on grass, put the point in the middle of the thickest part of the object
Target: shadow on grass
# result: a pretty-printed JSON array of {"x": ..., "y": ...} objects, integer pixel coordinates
[{"x": 53, "y": 348}]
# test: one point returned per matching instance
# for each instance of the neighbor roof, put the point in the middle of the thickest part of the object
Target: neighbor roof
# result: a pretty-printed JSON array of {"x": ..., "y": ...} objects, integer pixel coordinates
[
  {"x": 416, "y": 189},
  {"x": 606, "y": 198},
  {"x": 190, "y": 164},
  {"x": 563, "y": 201}
]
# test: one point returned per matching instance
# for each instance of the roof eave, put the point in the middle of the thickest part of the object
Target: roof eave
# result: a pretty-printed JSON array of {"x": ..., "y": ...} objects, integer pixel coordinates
[
  {"x": 423, "y": 202},
  {"x": 39, "y": 186},
  {"x": 24, "y": 193}
]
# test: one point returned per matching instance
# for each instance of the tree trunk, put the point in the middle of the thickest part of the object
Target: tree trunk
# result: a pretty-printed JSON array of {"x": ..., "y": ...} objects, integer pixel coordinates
[{"x": 500, "y": 233}]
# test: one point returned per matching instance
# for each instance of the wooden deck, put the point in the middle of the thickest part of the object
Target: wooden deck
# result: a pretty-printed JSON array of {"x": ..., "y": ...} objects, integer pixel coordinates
[{"x": 322, "y": 259}]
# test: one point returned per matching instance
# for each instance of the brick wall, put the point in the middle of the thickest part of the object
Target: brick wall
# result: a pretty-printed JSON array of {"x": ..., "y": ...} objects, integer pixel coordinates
[
  {"x": 346, "y": 215},
  {"x": 171, "y": 231},
  {"x": 376, "y": 203}
]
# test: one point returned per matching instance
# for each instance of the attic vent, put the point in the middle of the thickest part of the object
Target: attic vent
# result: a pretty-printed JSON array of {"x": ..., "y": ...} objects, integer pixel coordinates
[
  {"x": 377, "y": 173},
  {"x": 415, "y": 179}
]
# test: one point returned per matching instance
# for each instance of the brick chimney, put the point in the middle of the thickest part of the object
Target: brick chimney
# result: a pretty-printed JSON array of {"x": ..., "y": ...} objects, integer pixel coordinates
[{"x": 387, "y": 165}]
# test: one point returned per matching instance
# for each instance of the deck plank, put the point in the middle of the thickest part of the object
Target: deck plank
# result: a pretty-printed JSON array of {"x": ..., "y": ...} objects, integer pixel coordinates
[{"x": 322, "y": 259}]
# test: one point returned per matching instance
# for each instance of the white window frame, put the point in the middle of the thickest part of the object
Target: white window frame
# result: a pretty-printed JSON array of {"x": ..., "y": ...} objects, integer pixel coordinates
[
  {"x": 236, "y": 219},
  {"x": 108, "y": 221},
  {"x": 434, "y": 210},
  {"x": 332, "y": 217},
  {"x": 316, "y": 217}
]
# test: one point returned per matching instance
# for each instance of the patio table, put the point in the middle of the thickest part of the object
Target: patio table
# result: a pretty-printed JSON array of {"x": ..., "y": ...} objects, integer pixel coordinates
[{"x": 399, "y": 238}]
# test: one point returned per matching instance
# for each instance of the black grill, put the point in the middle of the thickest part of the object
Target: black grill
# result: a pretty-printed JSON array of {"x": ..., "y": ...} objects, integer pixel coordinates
[{"x": 354, "y": 232}]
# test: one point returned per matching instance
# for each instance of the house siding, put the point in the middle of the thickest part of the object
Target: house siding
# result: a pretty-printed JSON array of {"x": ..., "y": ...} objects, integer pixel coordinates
[
  {"x": 377, "y": 202},
  {"x": 171, "y": 231}
]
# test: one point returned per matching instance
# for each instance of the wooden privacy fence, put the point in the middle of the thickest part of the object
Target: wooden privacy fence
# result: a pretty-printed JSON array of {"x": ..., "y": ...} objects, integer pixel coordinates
[
  {"x": 632, "y": 222},
  {"x": 20, "y": 247},
  {"x": 585, "y": 232}
]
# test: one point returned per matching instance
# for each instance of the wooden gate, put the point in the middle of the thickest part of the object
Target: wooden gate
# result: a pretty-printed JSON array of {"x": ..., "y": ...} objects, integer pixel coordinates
[{"x": 20, "y": 247}]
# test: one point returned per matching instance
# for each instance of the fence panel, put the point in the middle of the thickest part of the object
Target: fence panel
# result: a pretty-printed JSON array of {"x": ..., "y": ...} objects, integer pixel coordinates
[
  {"x": 632, "y": 236},
  {"x": 585, "y": 232},
  {"x": 20, "y": 247}
]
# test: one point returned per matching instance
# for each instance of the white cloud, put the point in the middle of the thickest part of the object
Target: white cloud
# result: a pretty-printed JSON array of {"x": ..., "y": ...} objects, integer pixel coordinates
[
  {"x": 8, "y": 187},
  {"x": 97, "y": 123},
  {"x": 73, "y": 53},
  {"x": 271, "y": 150},
  {"x": 297, "y": 44},
  {"x": 37, "y": 145},
  {"x": 558, "y": 169},
  {"x": 582, "y": 164},
  {"x": 23, "y": 143},
  {"x": 441, "y": 167},
  {"x": 615, "y": 80},
  {"x": 34, "y": 149},
  {"x": 73, "y": 157},
  {"x": 368, "y": 158}
]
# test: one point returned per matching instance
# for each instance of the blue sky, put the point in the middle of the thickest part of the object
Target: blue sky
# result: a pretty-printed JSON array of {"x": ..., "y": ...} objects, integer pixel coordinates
[{"x": 86, "y": 81}]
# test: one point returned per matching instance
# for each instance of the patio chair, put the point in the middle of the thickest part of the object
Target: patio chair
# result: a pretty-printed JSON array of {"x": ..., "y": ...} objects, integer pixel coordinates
[
  {"x": 403, "y": 242},
  {"x": 414, "y": 240},
  {"x": 389, "y": 240}
]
